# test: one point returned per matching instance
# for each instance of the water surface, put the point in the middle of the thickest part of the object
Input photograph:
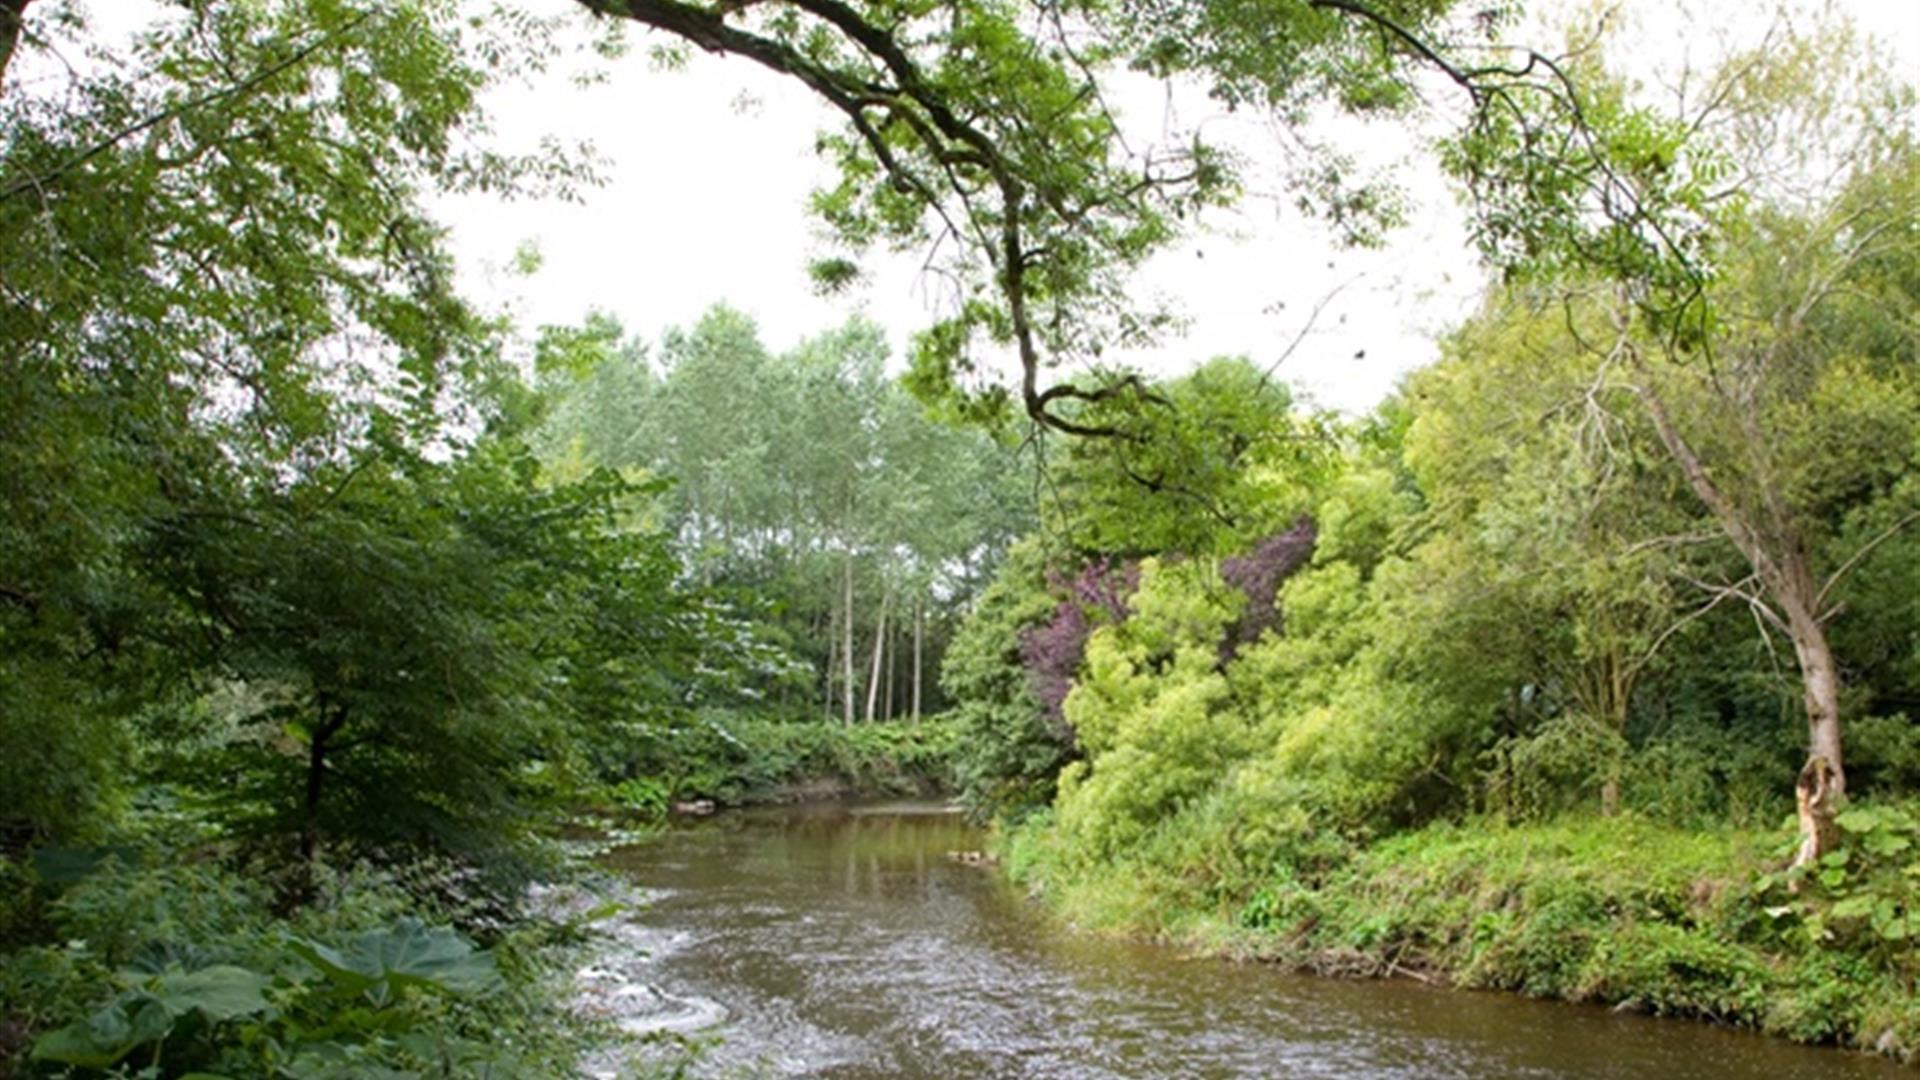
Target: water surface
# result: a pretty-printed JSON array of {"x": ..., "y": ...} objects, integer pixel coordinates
[{"x": 843, "y": 942}]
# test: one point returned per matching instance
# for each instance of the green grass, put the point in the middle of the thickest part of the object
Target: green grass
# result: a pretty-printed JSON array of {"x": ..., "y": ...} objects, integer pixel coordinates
[{"x": 1668, "y": 921}]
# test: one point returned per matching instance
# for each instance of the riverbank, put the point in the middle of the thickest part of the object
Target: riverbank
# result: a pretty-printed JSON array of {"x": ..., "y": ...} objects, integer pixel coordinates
[
  {"x": 841, "y": 940},
  {"x": 1621, "y": 912},
  {"x": 735, "y": 759}
]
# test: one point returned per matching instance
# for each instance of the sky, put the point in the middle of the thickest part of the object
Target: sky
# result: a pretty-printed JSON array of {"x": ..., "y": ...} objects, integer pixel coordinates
[
  {"x": 708, "y": 176},
  {"x": 708, "y": 170}
]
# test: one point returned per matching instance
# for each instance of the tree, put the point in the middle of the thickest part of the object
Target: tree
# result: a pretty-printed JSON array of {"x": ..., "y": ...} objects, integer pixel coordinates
[
  {"x": 1736, "y": 245},
  {"x": 805, "y": 484},
  {"x": 979, "y": 131},
  {"x": 1228, "y": 461},
  {"x": 217, "y": 271},
  {"x": 1552, "y": 527},
  {"x": 422, "y": 634}
]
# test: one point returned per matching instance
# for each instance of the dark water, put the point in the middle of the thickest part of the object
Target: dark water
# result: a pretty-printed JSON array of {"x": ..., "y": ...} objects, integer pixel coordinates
[{"x": 842, "y": 942}]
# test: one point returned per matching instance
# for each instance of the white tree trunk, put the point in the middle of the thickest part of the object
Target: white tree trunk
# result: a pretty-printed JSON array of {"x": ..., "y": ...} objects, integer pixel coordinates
[
  {"x": 846, "y": 641},
  {"x": 879, "y": 654}
]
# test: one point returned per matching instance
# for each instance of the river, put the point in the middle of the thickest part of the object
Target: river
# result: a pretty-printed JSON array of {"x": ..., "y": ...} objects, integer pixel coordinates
[{"x": 841, "y": 941}]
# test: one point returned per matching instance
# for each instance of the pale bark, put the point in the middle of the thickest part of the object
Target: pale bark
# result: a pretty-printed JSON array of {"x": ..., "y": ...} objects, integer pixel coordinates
[
  {"x": 833, "y": 660},
  {"x": 879, "y": 654},
  {"x": 919, "y": 637},
  {"x": 846, "y": 641},
  {"x": 887, "y": 699},
  {"x": 1780, "y": 564}
]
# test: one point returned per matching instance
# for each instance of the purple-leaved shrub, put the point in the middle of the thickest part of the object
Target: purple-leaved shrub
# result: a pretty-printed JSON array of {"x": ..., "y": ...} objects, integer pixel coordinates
[
  {"x": 1258, "y": 574},
  {"x": 1052, "y": 651}
]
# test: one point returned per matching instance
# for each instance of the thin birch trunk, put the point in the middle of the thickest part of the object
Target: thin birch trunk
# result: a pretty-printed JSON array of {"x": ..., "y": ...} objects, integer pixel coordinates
[
  {"x": 879, "y": 653},
  {"x": 846, "y": 641},
  {"x": 919, "y": 635}
]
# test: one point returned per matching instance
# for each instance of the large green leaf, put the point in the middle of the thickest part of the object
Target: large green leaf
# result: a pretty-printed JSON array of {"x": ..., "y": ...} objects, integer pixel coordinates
[
  {"x": 106, "y": 1036},
  {"x": 407, "y": 954},
  {"x": 146, "y": 1013},
  {"x": 334, "y": 1061},
  {"x": 219, "y": 993}
]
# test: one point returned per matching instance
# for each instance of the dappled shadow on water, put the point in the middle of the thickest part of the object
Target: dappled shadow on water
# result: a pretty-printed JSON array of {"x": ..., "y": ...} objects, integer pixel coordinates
[{"x": 844, "y": 942}]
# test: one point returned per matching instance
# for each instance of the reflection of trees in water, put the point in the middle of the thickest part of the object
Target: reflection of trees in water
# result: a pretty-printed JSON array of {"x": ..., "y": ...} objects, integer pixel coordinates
[{"x": 879, "y": 854}]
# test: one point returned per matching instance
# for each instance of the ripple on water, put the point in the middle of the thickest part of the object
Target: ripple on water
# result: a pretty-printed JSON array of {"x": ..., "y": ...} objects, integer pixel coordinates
[{"x": 846, "y": 945}]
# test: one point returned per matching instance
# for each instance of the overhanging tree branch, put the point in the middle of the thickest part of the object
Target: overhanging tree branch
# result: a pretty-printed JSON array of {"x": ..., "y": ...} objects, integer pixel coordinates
[
  {"x": 979, "y": 184},
  {"x": 172, "y": 112},
  {"x": 13, "y": 21}
]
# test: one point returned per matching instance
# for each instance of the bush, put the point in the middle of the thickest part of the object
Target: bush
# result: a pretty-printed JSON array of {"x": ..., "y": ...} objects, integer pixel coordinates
[
  {"x": 736, "y": 758},
  {"x": 183, "y": 967}
]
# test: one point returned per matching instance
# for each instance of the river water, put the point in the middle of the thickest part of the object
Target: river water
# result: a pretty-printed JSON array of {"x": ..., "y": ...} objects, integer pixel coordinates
[{"x": 840, "y": 941}]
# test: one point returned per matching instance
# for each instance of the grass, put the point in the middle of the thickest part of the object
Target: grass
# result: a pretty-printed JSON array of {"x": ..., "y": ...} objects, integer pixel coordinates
[{"x": 1621, "y": 911}]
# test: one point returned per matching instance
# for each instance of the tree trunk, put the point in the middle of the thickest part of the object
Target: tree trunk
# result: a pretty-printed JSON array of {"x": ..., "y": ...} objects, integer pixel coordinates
[
  {"x": 330, "y": 718},
  {"x": 12, "y": 21},
  {"x": 879, "y": 654},
  {"x": 1823, "y": 779},
  {"x": 833, "y": 659},
  {"x": 846, "y": 641},
  {"x": 887, "y": 700},
  {"x": 1779, "y": 563},
  {"x": 919, "y": 636},
  {"x": 1619, "y": 691}
]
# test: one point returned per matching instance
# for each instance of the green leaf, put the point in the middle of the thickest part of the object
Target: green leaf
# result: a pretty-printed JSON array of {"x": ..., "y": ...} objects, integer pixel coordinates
[
  {"x": 107, "y": 1036},
  {"x": 61, "y": 867},
  {"x": 1853, "y": 907},
  {"x": 407, "y": 954},
  {"x": 222, "y": 992},
  {"x": 1858, "y": 820},
  {"x": 76, "y": 1044},
  {"x": 1885, "y": 844}
]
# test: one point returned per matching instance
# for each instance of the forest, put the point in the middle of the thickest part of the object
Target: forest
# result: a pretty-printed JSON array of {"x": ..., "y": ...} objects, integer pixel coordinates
[{"x": 342, "y": 617}]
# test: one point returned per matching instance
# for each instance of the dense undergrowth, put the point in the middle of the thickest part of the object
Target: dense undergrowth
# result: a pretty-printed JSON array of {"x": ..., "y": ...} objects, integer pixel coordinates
[
  {"x": 172, "y": 962},
  {"x": 1471, "y": 692},
  {"x": 173, "y": 950},
  {"x": 1655, "y": 918},
  {"x": 734, "y": 759}
]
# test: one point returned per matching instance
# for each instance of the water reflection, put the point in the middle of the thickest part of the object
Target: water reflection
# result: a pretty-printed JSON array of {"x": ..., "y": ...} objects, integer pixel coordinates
[{"x": 843, "y": 942}]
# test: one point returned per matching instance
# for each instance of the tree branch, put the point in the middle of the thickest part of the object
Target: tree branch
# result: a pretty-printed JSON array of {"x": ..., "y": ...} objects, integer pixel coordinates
[
  {"x": 13, "y": 21},
  {"x": 192, "y": 104},
  {"x": 1853, "y": 562}
]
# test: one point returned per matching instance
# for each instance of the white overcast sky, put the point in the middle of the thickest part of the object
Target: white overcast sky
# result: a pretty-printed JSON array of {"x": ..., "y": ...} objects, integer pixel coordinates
[{"x": 709, "y": 169}]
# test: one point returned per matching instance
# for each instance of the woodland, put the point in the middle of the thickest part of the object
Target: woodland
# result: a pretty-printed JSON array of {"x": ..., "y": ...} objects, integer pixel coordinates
[{"x": 335, "y": 607}]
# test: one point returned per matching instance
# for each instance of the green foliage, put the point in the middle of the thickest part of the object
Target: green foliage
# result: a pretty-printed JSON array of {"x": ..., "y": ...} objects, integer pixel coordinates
[
  {"x": 183, "y": 969},
  {"x": 981, "y": 137},
  {"x": 1151, "y": 711},
  {"x": 379, "y": 964},
  {"x": 1620, "y": 911},
  {"x": 1010, "y": 752},
  {"x": 1862, "y": 897},
  {"x": 805, "y": 486},
  {"x": 736, "y": 758},
  {"x": 1208, "y": 463},
  {"x": 1513, "y": 726}
]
